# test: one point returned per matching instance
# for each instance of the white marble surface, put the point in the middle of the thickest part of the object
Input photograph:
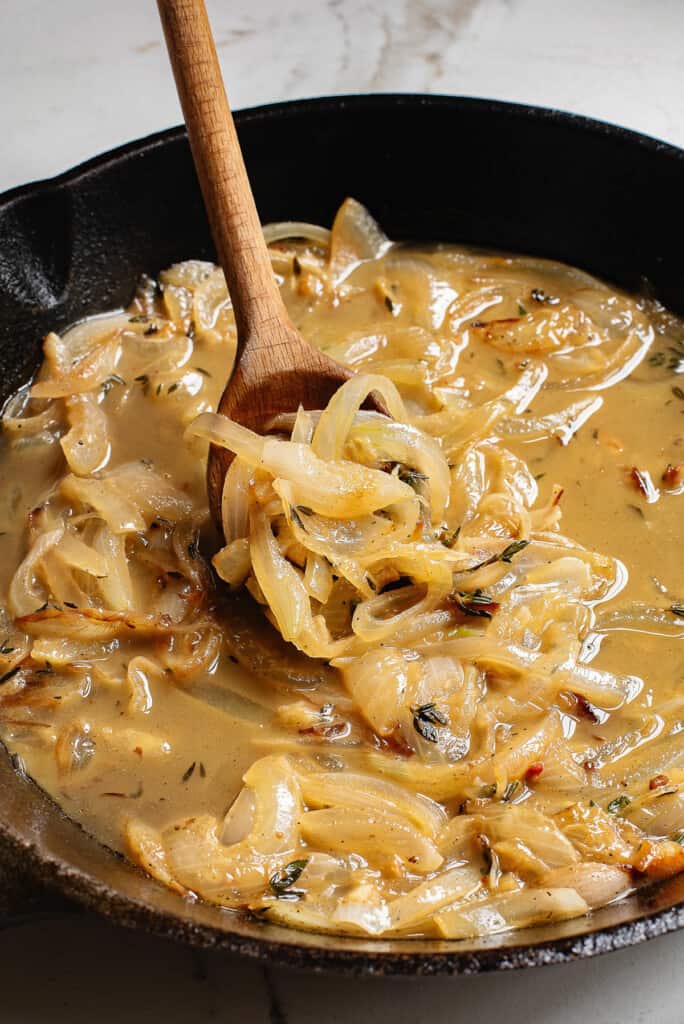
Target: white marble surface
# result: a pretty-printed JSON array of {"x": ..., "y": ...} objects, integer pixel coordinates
[
  {"x": 86, "y": 972},
  {"x": 80, "y": 76}
]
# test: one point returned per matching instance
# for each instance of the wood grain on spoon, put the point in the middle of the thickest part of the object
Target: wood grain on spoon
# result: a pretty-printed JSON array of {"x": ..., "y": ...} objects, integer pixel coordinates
[{"x": 275, "y": 369}]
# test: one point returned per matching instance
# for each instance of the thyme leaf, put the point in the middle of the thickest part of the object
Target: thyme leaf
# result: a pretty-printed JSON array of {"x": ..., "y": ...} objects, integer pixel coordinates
[
  {"x": 426, "y": 720},
  {"x": 513, "y": 549},
  {"x": 411, "y": 477},
  {"x": 8, "y": 675},
  {"x": 109, "y": 383},
  {"x": 509, "y": 791},
  {"x": 144, "y": 381},
  {"x": 618, "y": 804},
  {"x": 477, "y": 604},
  {"x": 281, "y": 881},
  {"x": 296, "y": 518},
  {"x": 541, "y": 296},
  {"x": 505, "y": 556}
]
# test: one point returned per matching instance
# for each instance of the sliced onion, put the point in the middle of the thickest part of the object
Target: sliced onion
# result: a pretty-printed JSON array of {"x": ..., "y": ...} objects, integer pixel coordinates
[
  {"x": 355, "y": 237},
  {"x": 337, "y": 418},
  {"x": 226, "y": 874},
  {"x": 318, "y": 577},
  {"x": 227, "y": 434},
  {"x": 381, "y": 440},
  {"x": 418, "y": 906},
  {"x": 116, "y": 584},
  {"x": 138, "y": 674},
  {"x": 364, "y": 908},
  {"x": 233, "y": 563},
  {"x": 240, "y": 819},
  {"x": 378, "y": 836},
  {"x": 563, "y": 425},
  {"x": 19, "y": 423},
  {"x": 338, "y": 489},
  {"x": 377, "y": 681},
  {"x": 128, "y": 497},
  {"x": 539, "y": 833},
  {"x": 144, "y": 847},
  {"x": 641, "y": 618},
  {"x": 86, "y": 445},
  {"x": 83, "y": 359},
  {"x": 280, "y": 582},
  {"x": 235, "y": 501},
  {"x": 384, "y": 616},
  {"x": 24, "y": 594},
  {"x": 362, "y": 792},
  {"x": 597, "y": 884},
  {"x": 516, "y": 910},
  {"x": 77, "y": 555}
]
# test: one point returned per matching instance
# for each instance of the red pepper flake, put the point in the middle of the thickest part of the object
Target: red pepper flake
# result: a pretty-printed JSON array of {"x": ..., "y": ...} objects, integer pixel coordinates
[
  {"x": 657, "y": 781},
  {"x": 641, "y": 480},
  {"x": 534, "y": 771},
  {"x": 585, "y": 709},
  {"x": 558, "y": 494},
  {"x": 503, "y": 320},
  {"x": 672, "y": 477},
  {"x": 590, "y": 766},
  {"x": 637, "y": 478},
  {"x": 393, "y": 744},
  {"x": 326, "y": 731}
]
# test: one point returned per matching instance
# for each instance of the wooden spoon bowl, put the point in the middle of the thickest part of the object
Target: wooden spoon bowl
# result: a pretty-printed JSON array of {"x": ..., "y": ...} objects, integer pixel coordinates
[{"x": 276, "y": 371}]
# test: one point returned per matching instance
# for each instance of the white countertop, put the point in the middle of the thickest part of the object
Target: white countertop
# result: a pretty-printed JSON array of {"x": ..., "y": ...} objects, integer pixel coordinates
[{"x": 81, "y": 76}]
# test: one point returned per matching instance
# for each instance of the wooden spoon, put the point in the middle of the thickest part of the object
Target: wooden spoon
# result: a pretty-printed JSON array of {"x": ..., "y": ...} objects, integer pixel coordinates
[{"x": 275, "y": 370}]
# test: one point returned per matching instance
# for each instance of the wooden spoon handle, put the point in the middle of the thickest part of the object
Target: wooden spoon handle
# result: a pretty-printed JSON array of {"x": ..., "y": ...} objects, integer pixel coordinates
[{"x": 230, "y": 206}]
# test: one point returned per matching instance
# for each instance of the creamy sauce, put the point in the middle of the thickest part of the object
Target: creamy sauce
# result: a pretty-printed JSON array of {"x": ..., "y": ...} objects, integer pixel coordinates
[{"x": 109, "y": 755}]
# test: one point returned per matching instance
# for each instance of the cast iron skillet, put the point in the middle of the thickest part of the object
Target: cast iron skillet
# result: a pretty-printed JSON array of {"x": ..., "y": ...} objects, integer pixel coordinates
[{"x": 428, "y": 167}]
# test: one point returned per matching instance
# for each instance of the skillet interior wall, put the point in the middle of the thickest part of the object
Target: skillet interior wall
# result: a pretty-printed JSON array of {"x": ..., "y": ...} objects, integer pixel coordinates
[{"x": 471, "y": 171}]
